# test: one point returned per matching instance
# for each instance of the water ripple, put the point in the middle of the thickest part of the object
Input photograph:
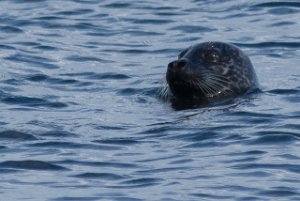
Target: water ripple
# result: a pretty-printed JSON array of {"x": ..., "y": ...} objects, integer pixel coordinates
[
  {"x": 118, "y": 141},
  {"x": 85, "y": 59},
  {"x": 104, "y": 176},
  {"x": 32, "y": 165},
  {"x": 266, "y": 166},
  {"x": 10, "y": 29},
  {"x": 75, "y": 12},
  {"x": 274, "y": 138},
  {"x": 16, "y": 135},
  {"x": 33, "y": 60},
  {"x": 72, "y": 145},
  {"x": 78, "y": 92},
  {"x": 57, "y": 81},
  {"x": 139, "y": 183},
  {"x": 279, "y": 4},
  {"x": 75, "y": 199},
  {"x": 193, "y": 29},
  {"x": 99, "y": 164},
  {"x": 31, "y": 102},
  {"x": 279, "y": 192},
  {"x": 270, "y": 44}
]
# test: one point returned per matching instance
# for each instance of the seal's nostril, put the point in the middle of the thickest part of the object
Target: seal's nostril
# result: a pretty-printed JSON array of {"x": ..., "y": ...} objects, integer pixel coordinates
[{"x": 181, "y": 63}]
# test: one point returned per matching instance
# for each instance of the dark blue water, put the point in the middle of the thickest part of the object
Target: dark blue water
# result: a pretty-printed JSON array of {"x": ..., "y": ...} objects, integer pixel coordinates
[{"x": 81, "y": 120}]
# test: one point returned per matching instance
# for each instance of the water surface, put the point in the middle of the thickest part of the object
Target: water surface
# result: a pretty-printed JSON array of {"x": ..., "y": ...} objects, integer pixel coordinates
[{"x": 81, "y": 120}]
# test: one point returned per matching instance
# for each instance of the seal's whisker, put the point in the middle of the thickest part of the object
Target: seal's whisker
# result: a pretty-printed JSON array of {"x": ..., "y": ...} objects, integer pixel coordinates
[
  {"x": 216, "y": 87},
  {"x": 164, "y": 92},
  {"x": 210, "y": 89},
  {"x": 219, "y": 77},
  {"x": 201, "y": 86},
  {"x": 221, "y": 87},
  {"x": 224, "y": 81}
]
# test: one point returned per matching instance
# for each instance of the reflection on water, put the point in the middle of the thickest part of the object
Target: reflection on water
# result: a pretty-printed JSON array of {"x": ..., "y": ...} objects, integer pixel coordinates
[{"x": 81, "y": 120}]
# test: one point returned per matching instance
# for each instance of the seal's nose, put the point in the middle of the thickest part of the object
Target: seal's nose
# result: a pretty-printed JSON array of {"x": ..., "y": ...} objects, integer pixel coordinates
[{"x": 178, "y": 65}]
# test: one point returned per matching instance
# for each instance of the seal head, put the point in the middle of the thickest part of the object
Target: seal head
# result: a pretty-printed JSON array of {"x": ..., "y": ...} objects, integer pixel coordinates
[{"x": 210, "y": 71}]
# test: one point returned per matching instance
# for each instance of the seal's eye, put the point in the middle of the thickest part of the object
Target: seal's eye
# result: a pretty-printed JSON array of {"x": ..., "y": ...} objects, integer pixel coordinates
[{"x": 212, "y": 55}]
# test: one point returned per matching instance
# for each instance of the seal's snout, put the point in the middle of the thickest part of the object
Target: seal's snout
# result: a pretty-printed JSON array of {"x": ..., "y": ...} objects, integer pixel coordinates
[
  {"x": 180, "y": 78},
  {"x": 178, "y": 70}
]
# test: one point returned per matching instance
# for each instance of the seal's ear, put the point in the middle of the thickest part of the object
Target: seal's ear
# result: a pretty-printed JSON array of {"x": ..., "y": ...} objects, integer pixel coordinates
[{"x": 181, "y": 54}]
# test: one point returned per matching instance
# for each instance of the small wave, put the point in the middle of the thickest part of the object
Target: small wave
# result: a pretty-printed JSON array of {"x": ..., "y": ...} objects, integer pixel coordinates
[
  {"x": 101, "y": 164},
  {"x": 248, "y": 153},
  {"x": 72, "y": 145},
  {"x": 75, "y": 12},
  {"x": 118, "y": 5},
  {"x": 16, "y": 135},
  {"x": 45, "y": 47},
  {"x": 129, "y": 91},
  {"x": 212, "y": 196},
  {"x": 284, "y": 91},
  {"x": 193, "y": 29},
  {"x": 37, "y": 77},
  {"x": 278, "y": 24},
  {"x": 283, "y": 11},
  {"x": 274, "y": 138},
  {"x": 118, "y": 141},
  {"x": 8, "y": 171},
  {"x": 270, "y": 44},
  {"x": 29, "y": 1},
  {"x": 279, "y": 192},
  {"x": 294, "y": 168},
  {"x": 7, "y": 47},
  {"x": 58, "y": 81},
  {"x": 78, "y": 198},
  {"x": 149, "y": 21},
  {"x": 278, "y": 4},
  {"x": 206, "y": 144},
  {"x": 31, "y": 102},
  {"x": 55, "y": 133},
  {"x": 10, "y": 29},
  {"x": 41, "y": 77},
  {"x": 109, "y": 75},
  {"x": 33, "y": 60},
  {"x": 106, "y": 176},
  {"x": 142, "y": 33},
  {"x": 54, "y": 18},
  {"x": 31, "y": 165},
  {"x": 86, "y": 59},
  {"x": 107, "y": 127},
  {"x": 87, "y": 26},
  {"x": 141, "y": 182}
]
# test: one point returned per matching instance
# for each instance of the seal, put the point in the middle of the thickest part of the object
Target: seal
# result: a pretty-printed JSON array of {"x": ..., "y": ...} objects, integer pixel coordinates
[{"x": 207, "y": 72}]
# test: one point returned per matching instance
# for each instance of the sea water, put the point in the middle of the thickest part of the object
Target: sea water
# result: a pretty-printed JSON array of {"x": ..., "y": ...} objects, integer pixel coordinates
[{"x": 81, "y": 119}]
